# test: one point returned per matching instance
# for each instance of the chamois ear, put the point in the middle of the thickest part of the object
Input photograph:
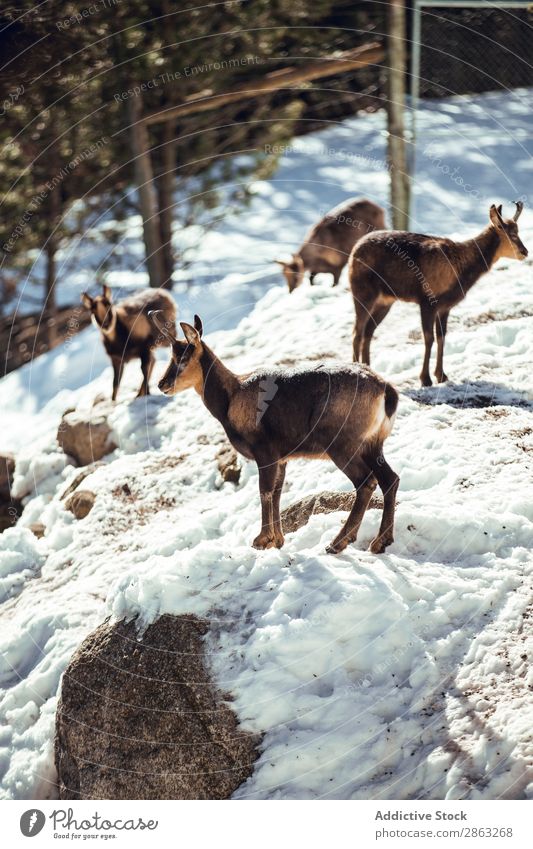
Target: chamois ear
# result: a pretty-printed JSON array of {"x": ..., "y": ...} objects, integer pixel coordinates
[
  {"x": 280, "y": 262},
  {"x": 198, "y": 325},
  {"x": 190, "y": 333},
  {"x": 106, "y": 291},
  {"x": 496, "y": 216},
  {"x": 86, "y": 300}
]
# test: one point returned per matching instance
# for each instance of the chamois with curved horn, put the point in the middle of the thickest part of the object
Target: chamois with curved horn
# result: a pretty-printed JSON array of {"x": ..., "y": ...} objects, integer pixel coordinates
[
  {"x": 431, "y": 271},
  {"x": 127, "y": 332},
  {"x": 343, "y": 412},
  {"x": 327, "y": 246}
]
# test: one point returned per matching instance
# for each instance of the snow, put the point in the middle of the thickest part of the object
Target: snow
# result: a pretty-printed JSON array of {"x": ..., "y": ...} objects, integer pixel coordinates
[{"x": 404, "y": 675}]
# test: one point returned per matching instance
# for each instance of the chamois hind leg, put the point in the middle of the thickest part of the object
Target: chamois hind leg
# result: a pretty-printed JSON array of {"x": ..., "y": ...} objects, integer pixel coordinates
[
  {"x": 147, "y": 365},
  {"x": 365, "y": 483},
  {"x": 428, "y": 319},
  {"x": 376, "y": 317},
  {"x": 388, "y": 483},
  {"x": 336, "y": 272},
  {"x": 268, "y": 476},
  {"x": 362, "y": 315},
  {"x": 441, "y": 324}
]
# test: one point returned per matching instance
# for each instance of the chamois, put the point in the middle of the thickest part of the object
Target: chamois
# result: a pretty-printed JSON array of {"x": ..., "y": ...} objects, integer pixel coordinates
[
  {"x": 342, "y": 412},
  {"x": 434, "y": 272},
  {"x": 327, "y": 246},
  {"x": 127, "y": 332}
]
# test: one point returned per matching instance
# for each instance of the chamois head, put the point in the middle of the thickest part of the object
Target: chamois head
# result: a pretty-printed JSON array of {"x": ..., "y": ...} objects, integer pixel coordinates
[
  {"x": 102, "y": 311},
  {"x": 293, "y": 271},
  {"x": 184, "y": 369},
  {"x": 507, "y": 229}
]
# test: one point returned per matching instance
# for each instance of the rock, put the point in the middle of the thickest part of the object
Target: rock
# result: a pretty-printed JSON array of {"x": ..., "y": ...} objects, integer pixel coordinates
[
  {"x": 299, "y": 513},
  {"x": 229, "y": 464},
  {"x": 10, "y": 513},
  {"x": 37, "y": 529},
  {"x": 141, "y": 719},
  {"x": 10, "y": 508},
  {"x": 7, "y": 470},
  {"x": 86, "y": 435},
  {"x": 79, "y": 478},
  {"x": 81, "y": 503}
]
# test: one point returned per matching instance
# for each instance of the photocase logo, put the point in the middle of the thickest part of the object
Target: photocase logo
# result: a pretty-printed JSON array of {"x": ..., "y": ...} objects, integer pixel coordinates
[
  {"x": 32, "y": 822},
  {"x": 267, "y": 389}
]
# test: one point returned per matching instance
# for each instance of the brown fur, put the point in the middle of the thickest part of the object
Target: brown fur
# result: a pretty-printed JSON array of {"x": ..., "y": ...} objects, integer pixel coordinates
[
  {"x": 327, "y": 246},
  {"x": 127, "y": 331},
  {"x": 433, "y": 272},
  {"x": 344, "y": 413}
]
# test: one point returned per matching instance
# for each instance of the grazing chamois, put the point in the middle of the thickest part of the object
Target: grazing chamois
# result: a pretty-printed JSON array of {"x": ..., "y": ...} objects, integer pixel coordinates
[
  {"x": 431, "y": 271},
  {"x": 127, "y": 332},
  {"x": 342, "y": 412},
  {"x": 327, "y": 246}
]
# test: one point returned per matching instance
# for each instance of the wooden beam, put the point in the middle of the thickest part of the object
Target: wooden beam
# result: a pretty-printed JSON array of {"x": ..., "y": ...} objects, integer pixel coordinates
[
  {"x": 397, "y": 149},
  {"x": 361, "y": 57}
]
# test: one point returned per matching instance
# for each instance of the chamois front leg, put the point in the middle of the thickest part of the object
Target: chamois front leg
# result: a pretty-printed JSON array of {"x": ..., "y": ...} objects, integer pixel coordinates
[
  {"x": 268, "y": 476},
  {"x": 336, "y": 272},
  {"x": 118, "y": 369},
  {"x": 428, "y": 319},
  {"x": 147, "y": 365},
  {"x": 441, "y": 324},
  {"x": 278, "y": 530}
]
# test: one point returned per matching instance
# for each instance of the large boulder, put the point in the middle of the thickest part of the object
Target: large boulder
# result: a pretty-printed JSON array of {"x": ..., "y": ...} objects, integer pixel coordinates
[
  {"x": 86, "y": 435},
  {"x": 141, "y": 719},
  {"x": 299, "y": 513},
  {"x": 10, "y": 508},
  {"x": 7, "y": 470}
]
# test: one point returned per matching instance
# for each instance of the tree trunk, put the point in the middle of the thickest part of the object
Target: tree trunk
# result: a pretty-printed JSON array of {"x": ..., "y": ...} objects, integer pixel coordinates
[
  {"x": 165, "y": 186},
  {"x": 147, "y": 196},
  {"x": 50, "y": 306},
  {"x": 397, "y": 150}
]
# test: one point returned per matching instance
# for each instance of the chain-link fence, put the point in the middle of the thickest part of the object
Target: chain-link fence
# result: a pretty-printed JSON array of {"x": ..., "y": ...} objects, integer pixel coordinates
[{"x": 467, "y": 50}]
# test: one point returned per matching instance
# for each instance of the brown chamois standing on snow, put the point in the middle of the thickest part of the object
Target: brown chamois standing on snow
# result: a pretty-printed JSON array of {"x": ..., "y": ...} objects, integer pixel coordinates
[
  {"x": 127, "y": 332},
  {"x": 328, "y": 244},
  {"x": 342, "y": 412},
  {"x": 433, "y": 272}
]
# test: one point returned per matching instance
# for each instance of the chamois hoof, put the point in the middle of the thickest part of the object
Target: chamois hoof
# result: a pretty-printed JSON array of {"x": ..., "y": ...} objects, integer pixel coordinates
[
  {"x": 379, "y": 544},
  {"x": 425, "y": 380},
  {"x": 336, "y": 547},
  {"x": 262, "y": 542},
  {"x": 443, "y": 378}
]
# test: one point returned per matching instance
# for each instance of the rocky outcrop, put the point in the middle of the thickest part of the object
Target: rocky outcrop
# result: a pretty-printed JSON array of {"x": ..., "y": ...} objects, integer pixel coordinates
[
  {"x": 141, "y": 719},
  {"x": 86, "y": 435},
  {"x": 10, "y": 508},
  {"x": 299, "y": 513},
  {"x": 81, "y": 503},
  {"x": 229, "y": 464}
]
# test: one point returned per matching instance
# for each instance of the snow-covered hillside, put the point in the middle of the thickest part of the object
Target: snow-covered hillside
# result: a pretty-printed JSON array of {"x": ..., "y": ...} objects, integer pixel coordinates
[{"x": 401, "y": 675}]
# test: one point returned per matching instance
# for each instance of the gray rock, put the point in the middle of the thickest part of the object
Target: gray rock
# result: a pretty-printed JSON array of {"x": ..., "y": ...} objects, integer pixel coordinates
[
  {"x": 81, "y": 503},
  {"x": 86, "y": 436},
  {"x": 299, "y": 513},
  {"x": 141, "y": 719}
]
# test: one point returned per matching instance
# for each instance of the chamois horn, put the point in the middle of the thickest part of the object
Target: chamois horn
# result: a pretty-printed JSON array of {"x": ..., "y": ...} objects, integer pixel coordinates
[
  {"x": 163, "y": 327},
  {"x": 519, "y": 208}
]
